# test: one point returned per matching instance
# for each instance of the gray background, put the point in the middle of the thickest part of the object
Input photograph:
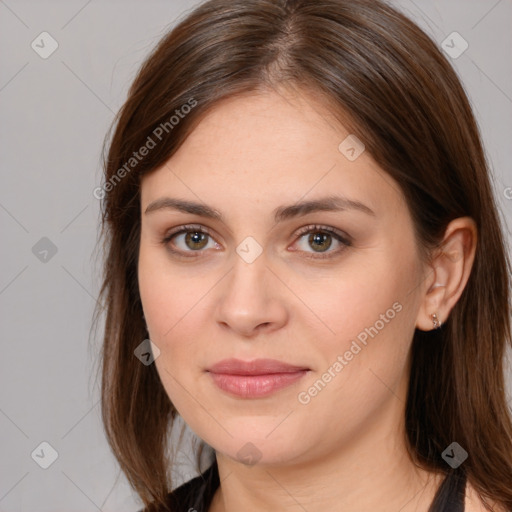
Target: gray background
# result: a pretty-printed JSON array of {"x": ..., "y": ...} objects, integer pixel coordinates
[{"x": 54, "y": 115}]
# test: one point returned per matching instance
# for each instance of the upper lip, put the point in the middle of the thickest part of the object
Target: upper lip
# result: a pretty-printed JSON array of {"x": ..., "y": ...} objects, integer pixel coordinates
[{"x": 254, "y": 367}]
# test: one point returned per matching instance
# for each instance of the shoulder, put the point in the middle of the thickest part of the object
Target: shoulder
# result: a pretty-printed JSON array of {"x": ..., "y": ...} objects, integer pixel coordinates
[{"x": 473, "y": 502}]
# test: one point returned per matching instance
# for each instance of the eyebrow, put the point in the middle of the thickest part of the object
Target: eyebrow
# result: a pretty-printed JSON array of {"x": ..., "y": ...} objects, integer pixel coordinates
[{"x": 282, "y": 213}]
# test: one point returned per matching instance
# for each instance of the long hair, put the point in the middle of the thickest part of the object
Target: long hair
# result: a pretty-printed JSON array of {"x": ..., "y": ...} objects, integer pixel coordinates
[{"x": 389, "y": 84}]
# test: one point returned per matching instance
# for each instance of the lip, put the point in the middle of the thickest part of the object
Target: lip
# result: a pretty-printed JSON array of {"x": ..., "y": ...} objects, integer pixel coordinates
[
  {"x": 254, "y": 367},
  {"x": 254, "y": 379}
]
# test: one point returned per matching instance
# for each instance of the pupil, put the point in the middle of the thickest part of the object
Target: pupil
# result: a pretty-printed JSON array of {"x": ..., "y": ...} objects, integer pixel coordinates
[
  {"x": 319, "y": 238},
  {"x": 196, "y": 238}
]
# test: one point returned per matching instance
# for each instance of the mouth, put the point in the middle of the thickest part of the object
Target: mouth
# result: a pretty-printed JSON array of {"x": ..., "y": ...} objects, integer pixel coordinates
[{"x": 255, "y": 379}]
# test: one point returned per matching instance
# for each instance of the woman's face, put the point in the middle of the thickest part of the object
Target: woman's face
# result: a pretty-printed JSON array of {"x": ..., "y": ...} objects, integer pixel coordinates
[{"x": 265, "y": 283}]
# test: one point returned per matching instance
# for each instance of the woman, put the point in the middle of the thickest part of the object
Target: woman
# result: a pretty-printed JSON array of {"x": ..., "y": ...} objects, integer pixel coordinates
[{"x": 298, "y": 214}]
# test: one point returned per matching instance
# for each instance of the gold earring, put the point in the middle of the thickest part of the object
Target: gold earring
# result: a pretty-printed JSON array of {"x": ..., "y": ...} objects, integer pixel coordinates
[{"x": 435, "y": 321}]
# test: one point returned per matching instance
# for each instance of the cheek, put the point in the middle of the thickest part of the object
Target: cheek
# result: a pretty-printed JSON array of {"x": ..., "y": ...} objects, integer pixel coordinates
[
  {"x": 167, "y": 293},
  {"x": 170, "y": 304},
  {"x": 175, "y": 303},
  {"x": 361, "y": 295},
  {"x": 368, "y": 323},
  {"x": 363, "y": 371}
]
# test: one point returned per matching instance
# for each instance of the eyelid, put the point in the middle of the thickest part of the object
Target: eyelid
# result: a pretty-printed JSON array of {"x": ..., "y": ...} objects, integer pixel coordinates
[
  {"x": 187, "y": 227},
  {"x": 329, "y": 229}
]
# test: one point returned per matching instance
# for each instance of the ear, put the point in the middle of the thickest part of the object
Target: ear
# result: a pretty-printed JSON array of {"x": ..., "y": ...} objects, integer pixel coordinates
[{"x": 449, "y": 272}]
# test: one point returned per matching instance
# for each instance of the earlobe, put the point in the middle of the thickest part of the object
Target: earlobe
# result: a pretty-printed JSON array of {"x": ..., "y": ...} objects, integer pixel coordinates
[
  {"x": 430, "y": 315},
  {"x": 437, "y": 323},
  {"x": 450, "y": 268}
]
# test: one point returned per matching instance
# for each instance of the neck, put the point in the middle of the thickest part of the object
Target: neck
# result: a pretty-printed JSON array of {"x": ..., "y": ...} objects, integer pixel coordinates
[{"x": 369, "y": 485}]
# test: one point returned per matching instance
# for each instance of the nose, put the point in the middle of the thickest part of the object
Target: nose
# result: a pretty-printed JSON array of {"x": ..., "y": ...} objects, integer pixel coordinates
[{"x": 252, "y": 299}]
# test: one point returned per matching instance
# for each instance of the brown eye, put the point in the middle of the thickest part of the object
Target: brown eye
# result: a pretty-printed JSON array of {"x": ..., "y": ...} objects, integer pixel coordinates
[
  {"x": 196, "y": 239},
  {"x": 320, "y": 241},
  {"x": 188, "y": 239}
]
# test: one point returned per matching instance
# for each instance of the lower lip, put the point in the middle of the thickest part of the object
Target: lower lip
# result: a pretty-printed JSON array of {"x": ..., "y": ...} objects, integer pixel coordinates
[{"x": 255, "y": 386}]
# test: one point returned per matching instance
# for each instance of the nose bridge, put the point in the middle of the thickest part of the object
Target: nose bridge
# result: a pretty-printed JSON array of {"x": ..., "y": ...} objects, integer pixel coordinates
[
  {"x": 248, "y": 297},
  {"x": 248, "y": 278}
]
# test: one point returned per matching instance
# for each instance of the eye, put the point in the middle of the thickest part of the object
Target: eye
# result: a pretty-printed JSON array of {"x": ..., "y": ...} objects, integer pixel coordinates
[
  {"x": 194, "y": 238},
  {"x": 189, "y": 239},
  {"x": 321, "y": 239}
]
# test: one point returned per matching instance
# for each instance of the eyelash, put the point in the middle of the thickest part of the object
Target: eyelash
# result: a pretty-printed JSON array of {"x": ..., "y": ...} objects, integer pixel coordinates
[{"x": 316, "y": 228}]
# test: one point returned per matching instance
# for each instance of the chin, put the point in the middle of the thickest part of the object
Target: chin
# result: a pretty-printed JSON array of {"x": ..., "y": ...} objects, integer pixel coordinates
[{"x": 257, "y": 448}]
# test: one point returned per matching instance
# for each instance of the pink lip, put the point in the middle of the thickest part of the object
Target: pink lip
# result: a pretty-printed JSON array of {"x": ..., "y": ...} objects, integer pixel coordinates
[{"x": 253, "y": 379}]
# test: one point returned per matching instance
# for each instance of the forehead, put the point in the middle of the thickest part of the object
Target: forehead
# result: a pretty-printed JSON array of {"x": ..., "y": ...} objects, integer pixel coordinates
[
  {"x": 264, "y": 127},
  {"x": 271, "y": 148}
]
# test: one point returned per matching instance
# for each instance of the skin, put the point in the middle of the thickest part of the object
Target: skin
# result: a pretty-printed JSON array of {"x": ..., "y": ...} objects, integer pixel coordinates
[{"x": 345, "y": 449}]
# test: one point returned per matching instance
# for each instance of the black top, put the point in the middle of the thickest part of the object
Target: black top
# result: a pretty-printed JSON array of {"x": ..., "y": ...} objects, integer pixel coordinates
[{"x": 197, "y": 494}]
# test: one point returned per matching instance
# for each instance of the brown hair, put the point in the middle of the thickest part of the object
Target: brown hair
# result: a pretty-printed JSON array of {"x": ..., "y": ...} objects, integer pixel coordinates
[{"x": 390, "y": 85}]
